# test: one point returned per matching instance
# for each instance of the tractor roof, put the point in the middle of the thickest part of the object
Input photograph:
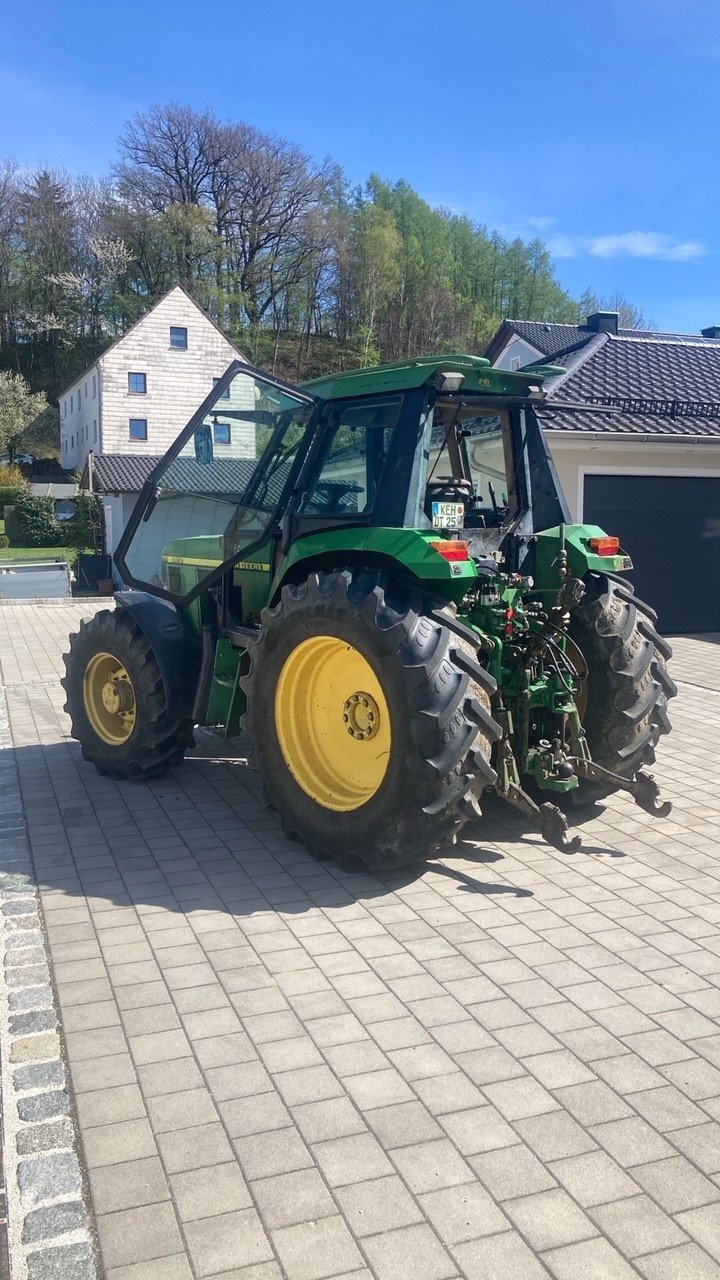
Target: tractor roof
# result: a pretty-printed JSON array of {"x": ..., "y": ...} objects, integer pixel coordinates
[{"x": 477, "y": 372}]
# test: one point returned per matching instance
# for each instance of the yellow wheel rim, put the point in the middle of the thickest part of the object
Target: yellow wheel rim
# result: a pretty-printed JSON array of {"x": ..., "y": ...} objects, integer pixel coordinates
[
  {"x": 109, "y": 699},
  {"x": 333, "y": 723}
]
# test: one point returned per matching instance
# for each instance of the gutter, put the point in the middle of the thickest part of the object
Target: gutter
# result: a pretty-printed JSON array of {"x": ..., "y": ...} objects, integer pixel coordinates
[{"x": 582, "y": 437}]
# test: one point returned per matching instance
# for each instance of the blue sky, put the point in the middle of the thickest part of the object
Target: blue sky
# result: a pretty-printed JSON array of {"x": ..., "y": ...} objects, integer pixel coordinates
[{"x": 594, "y": 126}]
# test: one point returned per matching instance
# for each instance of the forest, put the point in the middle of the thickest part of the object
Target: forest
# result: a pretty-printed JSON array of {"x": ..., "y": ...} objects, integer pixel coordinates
[{"x": 303, "y": 271}]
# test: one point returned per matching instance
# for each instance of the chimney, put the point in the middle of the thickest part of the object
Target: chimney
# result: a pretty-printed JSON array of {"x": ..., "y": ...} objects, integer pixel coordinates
[
  {"x": 712, "y": 332},
  {"x": 603, "y": 322}
]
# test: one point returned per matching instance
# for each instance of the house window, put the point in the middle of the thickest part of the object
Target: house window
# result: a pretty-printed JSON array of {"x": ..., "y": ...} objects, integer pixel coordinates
[
  {"x": 225, "y": 394},
  {"x": 178, "y": 338},
  {"x": 138, "y": 428},
  {"x": 86, "y": 390},
  {"x": 222, "y": 433},
  {"x": 137, "y": 384},
  {"x": 94, "y": 430},
  {"x": 94, "y": 382},
  {"x": 64, "y": 408},
  {"x": 72, "y": 442},
  {"x": 71, "y": 404},
  {"x": 515, "y": 363}
]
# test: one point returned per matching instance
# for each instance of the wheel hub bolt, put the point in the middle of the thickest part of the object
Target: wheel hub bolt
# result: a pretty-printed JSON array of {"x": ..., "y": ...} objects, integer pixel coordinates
[{"x": 361, "y": 715}]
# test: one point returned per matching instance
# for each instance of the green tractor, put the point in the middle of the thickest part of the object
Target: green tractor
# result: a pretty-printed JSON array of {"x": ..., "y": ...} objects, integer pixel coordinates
[{"x": 375, "y": 575}]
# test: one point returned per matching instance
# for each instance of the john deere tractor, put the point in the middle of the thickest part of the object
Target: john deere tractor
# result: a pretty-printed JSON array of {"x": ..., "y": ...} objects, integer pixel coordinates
[{"x": 376, "y": 575}]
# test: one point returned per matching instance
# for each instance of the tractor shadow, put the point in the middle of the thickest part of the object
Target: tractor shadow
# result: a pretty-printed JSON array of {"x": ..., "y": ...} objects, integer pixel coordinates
[{"x": 199, "y": 839}]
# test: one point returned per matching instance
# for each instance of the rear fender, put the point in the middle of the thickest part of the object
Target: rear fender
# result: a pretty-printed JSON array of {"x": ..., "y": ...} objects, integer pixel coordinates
[{"x": 176, "y": 649}]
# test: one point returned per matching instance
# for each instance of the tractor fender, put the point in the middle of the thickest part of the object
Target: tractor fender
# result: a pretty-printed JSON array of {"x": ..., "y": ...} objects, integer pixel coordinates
[{"x": 176, "y": 649}]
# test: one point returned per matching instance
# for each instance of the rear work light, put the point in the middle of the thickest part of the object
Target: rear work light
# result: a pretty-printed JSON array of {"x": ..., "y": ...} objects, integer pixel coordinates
[
  {"x": 605, "y": 546},
  {"x": 453, "y": 549}
]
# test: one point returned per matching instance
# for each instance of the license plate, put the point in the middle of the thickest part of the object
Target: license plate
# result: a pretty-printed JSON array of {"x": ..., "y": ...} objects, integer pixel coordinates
[{"x": 448, "y": 515}]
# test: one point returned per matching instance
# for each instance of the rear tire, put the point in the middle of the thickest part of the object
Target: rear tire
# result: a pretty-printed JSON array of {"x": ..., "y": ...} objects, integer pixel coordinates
[
  {"x": 432, "y": 694},
  {"x": 157, "y": 739},
  {"x": 628, "y": 684}
]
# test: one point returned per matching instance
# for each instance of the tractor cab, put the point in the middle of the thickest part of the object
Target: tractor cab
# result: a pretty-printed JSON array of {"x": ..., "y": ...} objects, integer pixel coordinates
[{"x": 445, "y": 446}]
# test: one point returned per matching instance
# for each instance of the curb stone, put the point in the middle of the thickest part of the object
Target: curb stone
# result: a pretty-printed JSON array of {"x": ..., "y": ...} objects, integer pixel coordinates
[{"x": 49, "y": 1221}]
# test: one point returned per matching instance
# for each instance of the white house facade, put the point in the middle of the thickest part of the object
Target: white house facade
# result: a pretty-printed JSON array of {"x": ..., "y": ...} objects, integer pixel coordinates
[{"x": 141, "y": 392}]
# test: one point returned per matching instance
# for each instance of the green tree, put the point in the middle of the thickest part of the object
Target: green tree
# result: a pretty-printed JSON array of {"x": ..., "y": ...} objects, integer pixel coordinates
[{"x": 27, "y": 421}]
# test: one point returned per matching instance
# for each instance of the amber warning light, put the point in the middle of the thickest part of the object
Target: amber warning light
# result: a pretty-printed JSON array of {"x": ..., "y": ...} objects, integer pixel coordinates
[
  {"x": 605, "y": 546},
  {"x": 453, "y": 549}
]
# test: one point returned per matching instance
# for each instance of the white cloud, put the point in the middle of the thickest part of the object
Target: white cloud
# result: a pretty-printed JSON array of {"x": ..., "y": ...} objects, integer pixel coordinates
[
  {"x": 629, "y": 244},
  {"x": 645, "y": 244}
]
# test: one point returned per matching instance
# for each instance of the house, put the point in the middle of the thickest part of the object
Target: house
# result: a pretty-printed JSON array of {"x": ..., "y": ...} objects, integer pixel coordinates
[
  {"x": 633, "y": 426},
  {"x": 141, "y": 392}
]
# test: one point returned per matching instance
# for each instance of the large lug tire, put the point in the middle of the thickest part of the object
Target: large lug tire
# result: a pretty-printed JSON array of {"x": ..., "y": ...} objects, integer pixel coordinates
[
  {"x": 117, "y": 703},
  {"x": 628, "y": 684},
  {"x": 391, "y": 787}
]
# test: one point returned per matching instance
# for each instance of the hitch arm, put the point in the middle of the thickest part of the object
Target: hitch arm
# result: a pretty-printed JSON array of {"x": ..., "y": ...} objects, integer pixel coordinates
[
  {"x": 552, "y": 822},
  {"x": 642, "y": 786}
]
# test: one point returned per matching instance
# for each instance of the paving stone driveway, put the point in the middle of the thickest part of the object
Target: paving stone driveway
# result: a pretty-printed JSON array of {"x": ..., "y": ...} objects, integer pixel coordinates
[{"x": 503, "y": 1065}]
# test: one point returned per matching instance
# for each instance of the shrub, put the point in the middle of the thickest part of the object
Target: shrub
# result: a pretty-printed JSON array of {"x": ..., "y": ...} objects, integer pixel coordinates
[
  {"x": 4, "y": 541},
  {"x": 13, "y": 478},
  {"x": 32, "y": 522},
  {"x": 84, "y": 530},
  {"x": 8, "y": 493}
]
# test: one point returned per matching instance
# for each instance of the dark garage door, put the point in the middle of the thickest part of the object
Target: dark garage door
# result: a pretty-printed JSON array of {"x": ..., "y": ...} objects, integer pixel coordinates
[{"x": 670, "y": 526}]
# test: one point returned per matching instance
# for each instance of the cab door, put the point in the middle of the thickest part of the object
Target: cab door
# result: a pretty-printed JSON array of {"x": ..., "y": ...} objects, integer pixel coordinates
[{"x": 218, "y": 494}]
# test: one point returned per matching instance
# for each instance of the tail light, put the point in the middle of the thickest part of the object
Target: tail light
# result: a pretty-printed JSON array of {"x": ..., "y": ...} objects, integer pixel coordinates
[
  {"x": 453, "y": 549},
  {"x": 605, "y": 546}
]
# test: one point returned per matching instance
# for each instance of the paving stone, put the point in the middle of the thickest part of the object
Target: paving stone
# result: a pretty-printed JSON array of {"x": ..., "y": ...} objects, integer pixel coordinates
[
  {"x": 402, "y": 1124},
  {"x": 429, "y": 1166},
  {"x": 680, "y": 1263},
  {"x": 593, "y": 1178},
  {"x": 637, "y": 1225},
  {"x": 293, "y": 1198},
  {"x": 701, "y": 1144},
  {"x": 45, "y": 1137},
  {"x": 138, "y": 1235},
  {"x": 47, "y": 1176},
  {"x": 549, "y": 1219},
  {"x": 512, "y": 1171},
  {"x": 589, "y": 1260},
  {"x": 115, "y": 1143},
  {"x": 704, "y": 1226},
  {"x": 128, "y": 1185},
  {"x": 501, "y": 1257},
  {"x": 195, "y": 1148},
  {"x": 263, "y": 1155},
  {"x": 414, "y": 1250},
  {"x": 463, "y": 1213},
  {"x": 55, "y": 1220},
  {"x": 554, "y": 1136},
  {"x": 631, "y": 1141},
  {"x": 379, "y": 1205},
  {"x": 216, "y": 1243},
  {"x": 315, "y": 1250},
  {"x": 334, "y": 1118},
  {"x": 63, "y": 1262}
]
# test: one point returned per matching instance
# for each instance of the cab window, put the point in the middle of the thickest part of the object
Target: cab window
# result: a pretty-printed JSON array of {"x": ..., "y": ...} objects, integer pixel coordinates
[{"x": 356, "y": 446}]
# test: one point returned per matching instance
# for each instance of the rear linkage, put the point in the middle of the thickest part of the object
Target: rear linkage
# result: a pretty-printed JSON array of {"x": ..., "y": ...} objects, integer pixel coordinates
[{"x": 550, "y": 819}]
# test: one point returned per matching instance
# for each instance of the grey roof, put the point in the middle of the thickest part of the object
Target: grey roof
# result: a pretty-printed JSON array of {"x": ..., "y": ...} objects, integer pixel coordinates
[
  {"x": 52, "y": 489},
  {"x": 553, "y": 339},
  {"x": 119, "y": 472},
  {"x": 660, "y": 384}
]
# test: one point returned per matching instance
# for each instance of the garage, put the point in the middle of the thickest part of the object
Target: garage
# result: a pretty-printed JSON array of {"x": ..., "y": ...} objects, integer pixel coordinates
[{"x": 670, "y": 526}]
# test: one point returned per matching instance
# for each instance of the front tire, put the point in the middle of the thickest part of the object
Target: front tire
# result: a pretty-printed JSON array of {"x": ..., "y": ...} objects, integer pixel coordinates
[
  {"x": 117, "y": 702},
  {"x": 369, "y": 717},
  {"x": 628, "y": 684}
]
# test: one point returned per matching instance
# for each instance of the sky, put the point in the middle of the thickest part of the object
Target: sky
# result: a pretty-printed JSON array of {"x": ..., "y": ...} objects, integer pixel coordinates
[{"x": 594, "y": 126}]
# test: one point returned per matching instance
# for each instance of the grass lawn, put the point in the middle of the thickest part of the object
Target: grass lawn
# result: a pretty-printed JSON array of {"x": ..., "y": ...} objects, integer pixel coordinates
[{"x": 37, "y": 553}]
